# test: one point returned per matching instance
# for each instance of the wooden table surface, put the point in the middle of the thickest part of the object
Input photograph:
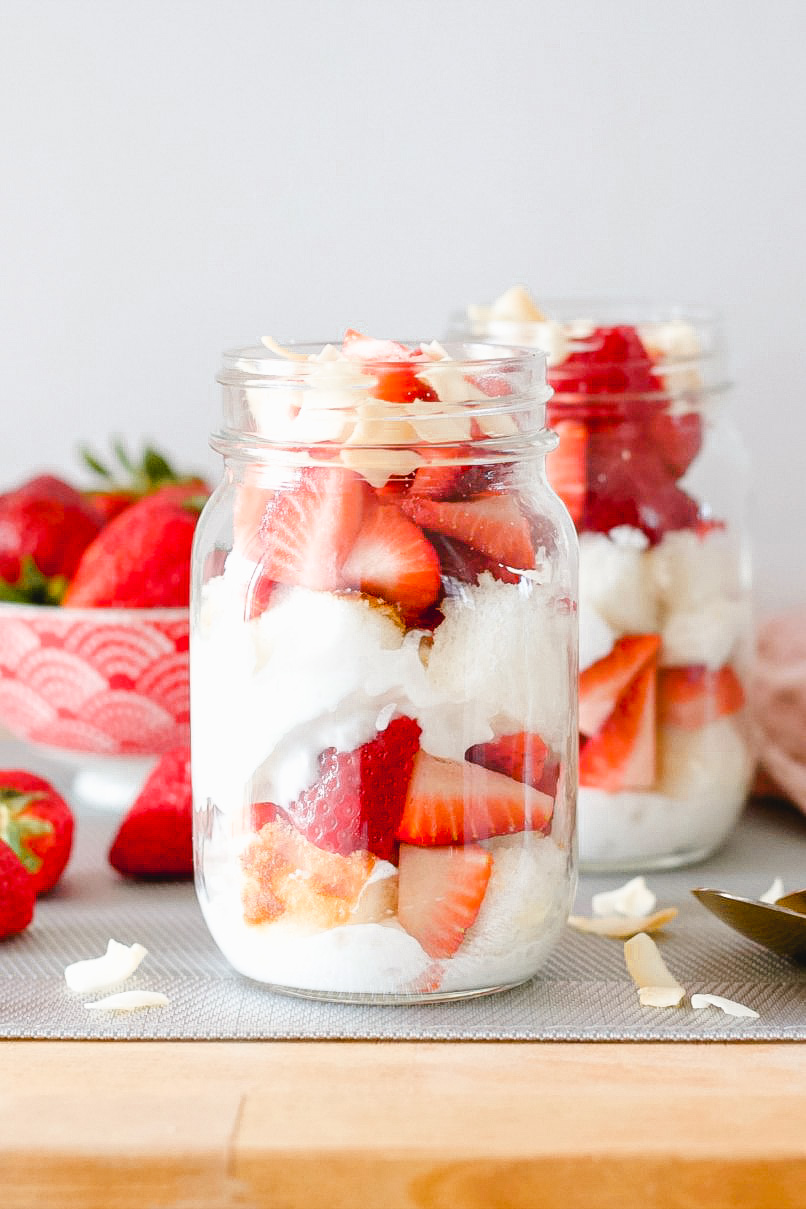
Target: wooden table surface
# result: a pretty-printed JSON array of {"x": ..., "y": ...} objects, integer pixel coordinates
[{"x": 360, "y": 1125}]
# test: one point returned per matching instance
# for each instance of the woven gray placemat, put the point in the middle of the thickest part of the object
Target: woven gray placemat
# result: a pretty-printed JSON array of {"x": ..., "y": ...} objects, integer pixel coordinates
[{"x": 582, "y": 994}]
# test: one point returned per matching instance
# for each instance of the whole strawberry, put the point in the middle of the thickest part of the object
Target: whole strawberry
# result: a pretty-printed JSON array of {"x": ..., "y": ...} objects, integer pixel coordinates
[
  {"x": 17, "y": 896},
  {"x": 155, "y": 839},
  {"x": 45, "y": 526},
  {"x": 129, "y": 479},
  {"x": 141, "y": 558},
  {"x": 37, "y": 824}
]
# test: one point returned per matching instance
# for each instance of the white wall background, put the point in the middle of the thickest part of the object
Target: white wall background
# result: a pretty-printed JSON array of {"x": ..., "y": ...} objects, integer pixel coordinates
[{"x": 183, "y": 175}]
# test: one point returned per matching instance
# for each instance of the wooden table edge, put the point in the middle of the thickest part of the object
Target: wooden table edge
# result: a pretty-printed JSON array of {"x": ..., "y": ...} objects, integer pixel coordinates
[{"x": 431, "y": 1125}]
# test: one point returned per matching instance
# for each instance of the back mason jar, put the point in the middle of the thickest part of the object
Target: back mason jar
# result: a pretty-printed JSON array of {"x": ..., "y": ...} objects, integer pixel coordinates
[
  {"x": 384, "y": 672},
  {"x": 655, "y": 477}
]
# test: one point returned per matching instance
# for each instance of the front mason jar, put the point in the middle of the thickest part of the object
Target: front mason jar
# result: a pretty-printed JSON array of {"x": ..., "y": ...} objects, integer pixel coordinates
[
  {"x": 383, "y": 673},
  {"x": 655, "y": 478}
]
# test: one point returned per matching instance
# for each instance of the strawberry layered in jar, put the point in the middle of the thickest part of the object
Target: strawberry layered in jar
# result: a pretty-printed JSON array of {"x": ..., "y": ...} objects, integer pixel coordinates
[
  {"x": 654, "y": 477},
  {"x": 383, "y": 672}
]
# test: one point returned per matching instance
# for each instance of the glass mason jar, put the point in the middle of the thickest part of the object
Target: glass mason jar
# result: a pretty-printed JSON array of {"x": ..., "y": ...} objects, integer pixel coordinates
[
  {"x": 383, "y": 673},
  {"x": 655, "y": 477}
]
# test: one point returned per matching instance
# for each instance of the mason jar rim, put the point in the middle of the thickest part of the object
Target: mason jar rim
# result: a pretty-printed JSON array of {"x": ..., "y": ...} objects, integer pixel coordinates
[{"x": 259, "y": 361}]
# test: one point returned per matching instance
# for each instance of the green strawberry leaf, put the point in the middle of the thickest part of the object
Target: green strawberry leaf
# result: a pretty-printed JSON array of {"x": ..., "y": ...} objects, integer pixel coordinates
[
  {"x": 95, "y": 464},
  {"x": 17, "y": 827},
  {"x": 33, "y": 587},
  {"x": 123, "y": 457},
  {"x": 158, "y": 469}
]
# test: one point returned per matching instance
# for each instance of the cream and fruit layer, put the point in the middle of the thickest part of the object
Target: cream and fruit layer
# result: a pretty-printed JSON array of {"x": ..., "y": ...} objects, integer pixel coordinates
[
  {"x": 321, "y": 670},
  {"x": 686, "y": 779}
]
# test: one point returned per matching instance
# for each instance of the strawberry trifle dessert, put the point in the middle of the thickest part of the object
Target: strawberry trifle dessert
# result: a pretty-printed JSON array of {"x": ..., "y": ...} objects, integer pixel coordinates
[
  {"x": 654, "y": 478},
  {"x": 383, "y": 672}
]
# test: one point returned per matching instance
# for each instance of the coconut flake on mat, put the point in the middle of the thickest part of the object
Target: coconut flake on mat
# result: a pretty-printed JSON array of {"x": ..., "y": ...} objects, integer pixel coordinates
[
  {"x": 129, "y": 1001},
  {"x": 97, "y": 973},
  {"x": 633, "y": 898},
  {"x": 657, "y": 986},
  {"x": 775, "y": 892},
  {"x": 620, "y": 927},
  {"x": 729, "y": 1006}
]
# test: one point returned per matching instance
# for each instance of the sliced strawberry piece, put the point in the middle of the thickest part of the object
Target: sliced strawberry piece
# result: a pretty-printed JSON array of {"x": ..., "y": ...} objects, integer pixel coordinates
[
  {"x": 357, "y": 802},
  {"x": 623, "y": 754},
  {"x": 493, "y": 524},
  {"x": 454, "y": 802},
  {"x": 550, "y": 776},
  {"x": 394, "y": 559},
  {"x": 249, "y": 516},
  {"x": 521, "y": 756},
  {"x": 613, "y": 361},
  {"x": 459, "y": 561},
  {"x": 694, "y": 695},
  {"x": 359, "y": 347},
  {"x": 436, "y": 480},
  {"x": 440, "y": 893},
  {"x": 566, "y": 467},
  {"x": 601, "y": 684},
  {"x": 629, "y": 483},
  {"x": 678, "y": 438},
  {"x": 395, "y": 384},
  {"x": 258, "y": 595},
  {"x": 308, "y": 529}
]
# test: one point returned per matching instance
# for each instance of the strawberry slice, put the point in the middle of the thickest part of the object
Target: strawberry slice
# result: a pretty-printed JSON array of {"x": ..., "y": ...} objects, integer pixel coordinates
[
  {"x": 521, "y": 756},
  {"x": 394, "y": 559},
  {"x": 694, "y": 695},
  {"x": 440, "y": 893},
  {"x": 436, "y": 480},
  {"x": 490, "y": 523},
  {"x": 601, "y": 684},
  {"x": 678, "y": 438},
  {"x": 249, "y": 517},
  {"x": 566, "y": 467},
  {"x": 359, "y": 347},
  {"x": 308, "y": 530},
  {"x": 357, "y": 802},
  {"x": 394, "y": 384},
  {"x": 455, "y": 802},
  {"x": 459, "y": 561},
  {"x": 622, "y": 755}
]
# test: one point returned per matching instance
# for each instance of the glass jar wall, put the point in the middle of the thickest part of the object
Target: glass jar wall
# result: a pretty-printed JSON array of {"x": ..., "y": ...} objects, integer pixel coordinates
[
  {"x": 654, "y": 475},
  {"x": 383, "y": 673}
]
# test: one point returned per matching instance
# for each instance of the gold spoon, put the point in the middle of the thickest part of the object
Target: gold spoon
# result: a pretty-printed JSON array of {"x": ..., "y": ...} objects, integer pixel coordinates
[{"x": 780, "y": 926}]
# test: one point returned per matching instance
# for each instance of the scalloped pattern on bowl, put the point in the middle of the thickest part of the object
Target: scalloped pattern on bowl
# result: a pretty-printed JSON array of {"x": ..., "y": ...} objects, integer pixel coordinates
[{"x": 107, "y": 681}]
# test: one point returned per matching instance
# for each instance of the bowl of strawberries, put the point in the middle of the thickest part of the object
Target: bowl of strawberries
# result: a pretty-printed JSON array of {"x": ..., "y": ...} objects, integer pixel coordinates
[{"x": 94, "y": 588}]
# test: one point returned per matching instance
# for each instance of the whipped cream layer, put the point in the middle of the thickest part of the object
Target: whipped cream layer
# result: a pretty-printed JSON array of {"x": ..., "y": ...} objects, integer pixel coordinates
[
  {"x": 319, "y": 670},
  {"x": 524, "y": 909}
]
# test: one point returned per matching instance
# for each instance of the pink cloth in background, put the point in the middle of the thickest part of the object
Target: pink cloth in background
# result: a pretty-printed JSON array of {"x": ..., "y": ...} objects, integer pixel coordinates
[{"x": 778, "y": 700}]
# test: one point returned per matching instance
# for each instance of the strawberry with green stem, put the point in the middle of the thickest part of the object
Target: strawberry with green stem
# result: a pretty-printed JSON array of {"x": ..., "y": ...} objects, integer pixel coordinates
[
  {"x": 17, "y": 896},
  {"x": 45, "y": 526},
  {"x": 37, "y": 825},
  {"x": 123, "y": 484},
  {"x": 141, "y": 559}
]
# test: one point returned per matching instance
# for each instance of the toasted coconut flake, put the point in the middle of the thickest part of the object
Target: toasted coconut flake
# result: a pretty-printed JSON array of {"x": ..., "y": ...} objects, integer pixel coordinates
[
  {"x": 622, "y": 926},
  {"x": 729, "y": 1006},
  {"x": 97, "y": 973},
  {"x": 517, "y": 304},
  {"x": 378, "y": 465},
  {"x": 288, "y": 353},
  {"x": 657, "y": 986},
  {"x": 634, "y": 898},
  {"x": 129, "y": 1001},
  {"x": 775, "y": 892}
]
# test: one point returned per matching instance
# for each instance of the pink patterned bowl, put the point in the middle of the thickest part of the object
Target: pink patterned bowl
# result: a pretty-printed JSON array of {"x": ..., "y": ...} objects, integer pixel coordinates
[{"x": 104, "y": 682}]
